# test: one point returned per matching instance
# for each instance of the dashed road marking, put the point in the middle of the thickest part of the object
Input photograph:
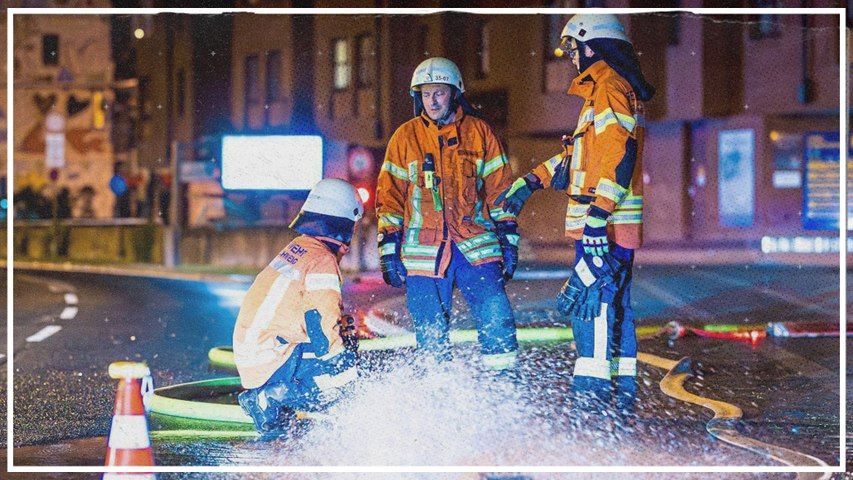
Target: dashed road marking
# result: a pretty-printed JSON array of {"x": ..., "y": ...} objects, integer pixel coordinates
[
  {"x": 71, "y": 298},
  {"x": 68, "y": 313},
  {"x": 44, "y": 333}
]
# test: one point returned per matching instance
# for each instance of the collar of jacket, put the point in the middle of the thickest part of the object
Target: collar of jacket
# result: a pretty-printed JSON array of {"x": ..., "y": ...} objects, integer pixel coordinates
[
  {"x": 430, "y": 123},
  {"x": 584, "y": 83}
]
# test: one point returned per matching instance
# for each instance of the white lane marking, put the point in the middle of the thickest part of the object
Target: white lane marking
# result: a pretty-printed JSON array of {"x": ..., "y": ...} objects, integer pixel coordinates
[
  {"x": 71, "y": 298},
  {"x": 44, "y": 333},
  {"x": 68, "y": 313},
  {"x": 2, "y": 356}
]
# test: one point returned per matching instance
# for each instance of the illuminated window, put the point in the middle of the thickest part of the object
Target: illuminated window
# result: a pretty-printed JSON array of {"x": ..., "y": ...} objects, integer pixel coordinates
[
  {"x": 50, "y": 49},
  {"x": 483, "y": 50},
  {"x": 340, "y": 51},
  {"x": 251, "y": 85},
  {"x": 764, "y": 25},
  {"x": 273, "y": 92},
  {"x": 365, "y": 60}
]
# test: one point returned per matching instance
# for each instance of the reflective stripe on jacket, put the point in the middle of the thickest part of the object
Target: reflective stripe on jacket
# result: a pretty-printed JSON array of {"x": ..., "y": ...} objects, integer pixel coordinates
[
  {"x": 302, "y": 281},
  {"x": 606, "y": 156},
  {"x": 471, "y": 170}
]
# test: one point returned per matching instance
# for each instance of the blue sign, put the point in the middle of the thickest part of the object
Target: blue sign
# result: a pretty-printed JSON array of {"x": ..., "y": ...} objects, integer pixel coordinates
[
  {"x": 821, "y": 180},
  {"x": 736, "y": 177}
]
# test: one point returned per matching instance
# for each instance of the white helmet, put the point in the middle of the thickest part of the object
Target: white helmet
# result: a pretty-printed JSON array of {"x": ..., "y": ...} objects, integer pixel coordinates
[
  {"x": 587, "y": 26},
  {"x": 335, "y": 198},
  {"x": 436, "y": 70}
]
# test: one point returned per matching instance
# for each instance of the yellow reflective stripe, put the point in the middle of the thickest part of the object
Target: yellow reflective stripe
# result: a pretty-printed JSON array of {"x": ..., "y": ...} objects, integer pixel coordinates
[
  {"x": 623, "y": 366},
  {"x": 416, "y": 219},
  {"x": 630, "y": 202},
  {"x": 609, "y": 189},
  {"x": 387, "y": 249},
  {"x": 498, "y": 214},
  {"x": 586, "y": 117},
  {"x": 395, "y": 171},
  {"x": 493, "y": 165},
  {"x": 627, "y": 217},
  {"x": 603, "y": 119},
  {"x": 628, "y": 122},
  {"x": 552, "y": 163},
  {"x": 577, "y": 210},
  {"x": 592, "y": 367},
  {"x": 500, "y": 361},
  {"x": 322, "y": 281},
  {"x": 575, "y": 224},
  {"x": 390, "y": 220},
  {"x": 578, "y": 155}
]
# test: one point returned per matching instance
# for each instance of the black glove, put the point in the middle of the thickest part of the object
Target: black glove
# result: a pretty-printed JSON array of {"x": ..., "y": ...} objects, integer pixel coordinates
[
  {"x": 390, "y": 261},
  {"x": 593, "y": 281},
  {"x": 347, "y": 331},
  {"x": 514, "y": 197},
  {"x": 560, "y": 179},
  {"x": 508, "y": 237}
]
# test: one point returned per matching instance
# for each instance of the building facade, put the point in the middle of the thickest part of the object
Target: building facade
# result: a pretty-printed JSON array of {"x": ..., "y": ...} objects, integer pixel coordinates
[
  {"x": 747, "y": 90},
  {"x": 63, "y": 75}
]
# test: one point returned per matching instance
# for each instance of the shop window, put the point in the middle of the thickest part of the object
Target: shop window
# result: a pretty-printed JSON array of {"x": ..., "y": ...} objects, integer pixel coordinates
[{"x": 341, "y": 63}]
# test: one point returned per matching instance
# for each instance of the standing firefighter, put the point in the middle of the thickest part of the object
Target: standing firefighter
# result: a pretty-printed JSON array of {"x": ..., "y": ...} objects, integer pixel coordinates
[
  {"x": 601, "y": 171},
  {"x": 293, "y": 348},
  {"x": 443, "y": 170}
]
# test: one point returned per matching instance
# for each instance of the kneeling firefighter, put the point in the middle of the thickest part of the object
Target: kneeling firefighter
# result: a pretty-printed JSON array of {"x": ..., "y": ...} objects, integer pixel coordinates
[
  {"x": 293, "y": 348},
  {"x": 600, "y": 168}
]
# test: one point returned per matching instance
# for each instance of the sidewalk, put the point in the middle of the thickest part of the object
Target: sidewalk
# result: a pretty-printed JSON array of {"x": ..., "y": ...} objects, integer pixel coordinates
[{"x": 542, "y": 259}]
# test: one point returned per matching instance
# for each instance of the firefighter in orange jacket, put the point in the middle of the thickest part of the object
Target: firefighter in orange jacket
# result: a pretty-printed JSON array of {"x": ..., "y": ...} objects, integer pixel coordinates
[
  {"x": 293, "y": 349},
  {"x": 438, "y": 225},
  {"x": 600, "y": 169}
]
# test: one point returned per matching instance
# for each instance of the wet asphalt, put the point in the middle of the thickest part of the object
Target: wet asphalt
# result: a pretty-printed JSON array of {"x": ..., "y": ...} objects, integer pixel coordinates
[{"x": 788, "y": 389}]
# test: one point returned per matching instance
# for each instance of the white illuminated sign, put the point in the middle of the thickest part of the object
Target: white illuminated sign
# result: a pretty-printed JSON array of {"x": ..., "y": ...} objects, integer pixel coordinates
[{"x": 271, "y": 162}]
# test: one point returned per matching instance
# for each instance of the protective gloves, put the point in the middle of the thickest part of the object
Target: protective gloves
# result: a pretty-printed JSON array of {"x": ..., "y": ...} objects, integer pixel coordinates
[
  {"x": 514, "y": 197},
  {"x": 390, "y": 261},
  {"x": 593, "y": 281},
  {"x": 347, "y": 331},
  {"x": 595, "y": 232},
  {"x": 508, "y": 237}
]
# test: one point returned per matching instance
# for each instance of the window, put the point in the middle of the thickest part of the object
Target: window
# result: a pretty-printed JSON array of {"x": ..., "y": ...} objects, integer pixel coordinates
[
  {"x": 365, "y": 60},
  {"x": 273, "y": 92},
  {"x": 340, "y": 51},
  {"x": 50, "y": 49},
  {"x": 182, "y": 92},
  {"x": 483, "y": 50},
  {"x": 764, "y": 25},
  {"x": 251, "y": 84}
]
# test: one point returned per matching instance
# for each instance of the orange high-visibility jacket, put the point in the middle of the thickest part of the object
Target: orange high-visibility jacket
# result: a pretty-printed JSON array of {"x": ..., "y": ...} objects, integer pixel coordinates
[
  {"x": 471, "y": 170},
  {"x": 305, "y": 276},
  {"x": 606, "y": 165}
]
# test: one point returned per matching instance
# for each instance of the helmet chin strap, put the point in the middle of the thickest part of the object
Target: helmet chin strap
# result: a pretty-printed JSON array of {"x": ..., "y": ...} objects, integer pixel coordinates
[
  {"x": 584, "y": 61},
  {"x": 340, "y": 248}
]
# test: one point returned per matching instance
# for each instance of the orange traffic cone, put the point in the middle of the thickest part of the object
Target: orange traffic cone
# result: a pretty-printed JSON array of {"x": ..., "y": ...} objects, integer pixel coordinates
[{"x": 129, "y": 444}]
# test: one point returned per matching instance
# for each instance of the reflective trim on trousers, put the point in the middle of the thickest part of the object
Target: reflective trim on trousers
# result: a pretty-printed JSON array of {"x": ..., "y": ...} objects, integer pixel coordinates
[
  {"x": 592, "y": 367},
  {"x": 500, "y": 361},
  {"x": 623, "y": 366}
]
